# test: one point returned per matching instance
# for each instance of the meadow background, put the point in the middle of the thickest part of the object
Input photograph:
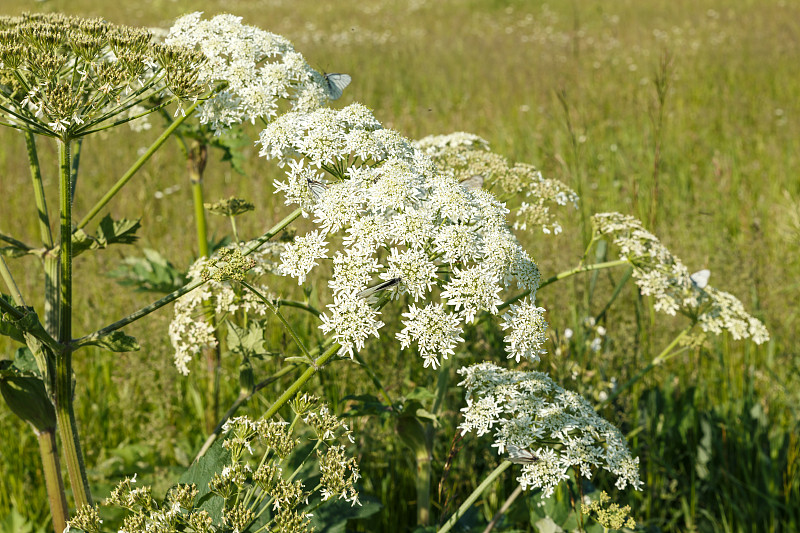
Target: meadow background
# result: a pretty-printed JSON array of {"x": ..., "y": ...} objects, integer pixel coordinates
[{"x": 709, "y": 163}]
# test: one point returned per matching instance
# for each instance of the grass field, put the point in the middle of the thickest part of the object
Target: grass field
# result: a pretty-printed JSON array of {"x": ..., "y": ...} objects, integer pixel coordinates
[{"x": 709, "y": 164}]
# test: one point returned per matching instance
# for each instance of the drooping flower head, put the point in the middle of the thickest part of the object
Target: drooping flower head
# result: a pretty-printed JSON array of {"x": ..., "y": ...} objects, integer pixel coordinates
[
  {"x": 544, "y": 427},
  {"x": 663, "y": 276}
]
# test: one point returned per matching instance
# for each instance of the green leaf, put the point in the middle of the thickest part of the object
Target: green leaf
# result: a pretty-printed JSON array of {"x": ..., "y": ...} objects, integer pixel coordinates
[
  {"x": 248, "y": 341},
  {"x": 109, "y": 231},
  {"x": 116, "y": 341},
  {"x": 151, "y": 273},
  {"x": 26, "y": 397},
  {"x": 201, "y": 472},
  {"x": 8, "y": 325},
  {"x": 122, "y": 231},
  {"x": 232, "y": 143},
  {"x": 365, "y": 405}
]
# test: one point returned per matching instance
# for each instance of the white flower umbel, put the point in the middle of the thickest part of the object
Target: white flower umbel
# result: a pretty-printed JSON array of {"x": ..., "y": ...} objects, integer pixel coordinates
[
  {"x": 300, "y": 256},
  {"x": 528, "y": 328},
  {"x": 260, "y": 69},
  {"x": 662, "y": 275},
  {"x": 386, "y": 201},
  {"x": 189, "y": 331},
  {"x": 558, "y": 428},
  {"x": 474, "y": 289},
  {"x": 352, "y": 321},
  {"x": 435, "y": 330}
]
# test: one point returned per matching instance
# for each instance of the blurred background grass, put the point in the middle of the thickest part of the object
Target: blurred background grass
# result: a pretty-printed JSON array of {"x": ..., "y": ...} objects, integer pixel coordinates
[{"x": 572, "y": 88}]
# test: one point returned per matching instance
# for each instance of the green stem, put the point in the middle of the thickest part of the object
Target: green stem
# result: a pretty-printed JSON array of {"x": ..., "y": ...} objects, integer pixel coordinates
[
  {"x": 38, "y": 191},
  {"x": 293, "y": 389},
  {"x": 196, "y": 164},
  {"x": 52, "y": 479},
  {"x": 287, "y": 326},
  {"x": 502, "y": 467},
  {"x": 135, "y": 167},
  {"x": 171, "y": 297},
  {"x": 562, "y": 275},
  {"x": 51, "y": 260},
  {"x": 10, "y": 283},
  {"x": 65, "y": 412},
  {"x": 664, "y": 356}
]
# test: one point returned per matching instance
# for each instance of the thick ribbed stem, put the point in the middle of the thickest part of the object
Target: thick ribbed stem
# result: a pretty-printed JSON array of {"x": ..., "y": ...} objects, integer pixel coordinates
[{"x": 63, "y": 402}]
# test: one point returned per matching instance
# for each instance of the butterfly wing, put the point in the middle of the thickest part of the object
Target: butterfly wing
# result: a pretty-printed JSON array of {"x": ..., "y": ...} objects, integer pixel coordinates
[
  {"x": 700, "y": 278},
  {"x": 316, "y": 188},
  {"x": 521, "y": 456},
  {"x": 473, "y": 182},
  {"x": 336, "y": 83}
]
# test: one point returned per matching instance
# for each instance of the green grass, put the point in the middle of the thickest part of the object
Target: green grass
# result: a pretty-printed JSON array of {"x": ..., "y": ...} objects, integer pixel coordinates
[{"x": 570, "y": 88}]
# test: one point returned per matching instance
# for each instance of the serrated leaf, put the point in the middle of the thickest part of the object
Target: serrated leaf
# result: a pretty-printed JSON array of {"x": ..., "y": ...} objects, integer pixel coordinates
[
  {"x": 116, "y": 341},
  {"x": 122, "y": 231},
  {"x": 249, "y": 341},
  {"x": 152, "y": 273}
]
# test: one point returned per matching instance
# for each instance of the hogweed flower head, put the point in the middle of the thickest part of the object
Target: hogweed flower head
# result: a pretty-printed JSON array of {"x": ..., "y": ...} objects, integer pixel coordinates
[
  {"x": 663, "y": 276},
  {"x": 65, "y": 76},
  {"x": 260, "y": 69},
  {"x": 190, "y": 332},
  {"x": 468, "y": 158},
  {"x": 558, "y": 429},
  {"x": 608, "y": 514},
  {"x": 398, "y": 219},
  {"x": 231, "y": 207}
]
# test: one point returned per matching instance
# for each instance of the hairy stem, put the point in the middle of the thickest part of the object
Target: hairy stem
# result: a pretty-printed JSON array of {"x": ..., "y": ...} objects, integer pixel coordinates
[{"x": 65, "y": 412}]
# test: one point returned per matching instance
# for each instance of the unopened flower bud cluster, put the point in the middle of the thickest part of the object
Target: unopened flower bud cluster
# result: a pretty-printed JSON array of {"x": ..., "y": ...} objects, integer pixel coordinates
[{"x": 65, "y": 76}]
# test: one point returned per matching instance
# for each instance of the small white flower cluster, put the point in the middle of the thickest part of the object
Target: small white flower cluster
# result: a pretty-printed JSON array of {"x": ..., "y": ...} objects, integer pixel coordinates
[
  {"x": 468, "y": 159},
  {"x": 397, "y": 218},
  {"x": 260, "y": 69},
  {"x": 660, "y": 274},
  {"x": 556, "y": 428},
  {"x": 190, "y": 332}
]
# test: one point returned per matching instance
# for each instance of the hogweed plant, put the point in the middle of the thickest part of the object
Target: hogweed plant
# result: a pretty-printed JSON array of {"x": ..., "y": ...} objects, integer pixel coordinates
[{"x": 392, "y": 225}]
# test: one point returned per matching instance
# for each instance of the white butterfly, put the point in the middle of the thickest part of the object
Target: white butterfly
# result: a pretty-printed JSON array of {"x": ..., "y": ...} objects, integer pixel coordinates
[
  {"x": 521, "y": 456},
  {"x": 336, "y": 83},
  {"x": 473, "y": 182},
  {"x": 369, "y": 291},
  {"x": 700, "y": 278},
  {"x": 316, "y": 188}
]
